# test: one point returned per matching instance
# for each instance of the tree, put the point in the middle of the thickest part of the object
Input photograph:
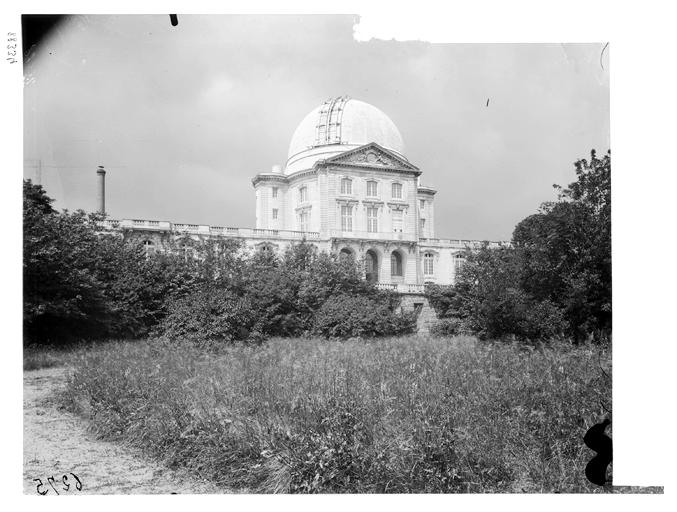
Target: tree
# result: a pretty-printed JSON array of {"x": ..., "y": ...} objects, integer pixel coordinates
[
  {"x": 490, "y": 302},
  {"x": 565, "y": 249},
  {"x": 62, "y": 291}
]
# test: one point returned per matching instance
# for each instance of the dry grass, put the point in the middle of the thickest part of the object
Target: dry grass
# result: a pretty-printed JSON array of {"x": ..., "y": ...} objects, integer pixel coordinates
[{"x": 409, "y": 414}]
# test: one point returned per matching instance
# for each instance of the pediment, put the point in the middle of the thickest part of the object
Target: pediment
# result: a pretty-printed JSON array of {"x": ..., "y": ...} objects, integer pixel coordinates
[{"x": 372, "y": 155}]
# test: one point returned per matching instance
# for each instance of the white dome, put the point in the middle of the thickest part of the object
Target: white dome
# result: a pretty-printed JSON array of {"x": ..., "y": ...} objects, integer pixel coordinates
[{"x": 339, "y": 125}]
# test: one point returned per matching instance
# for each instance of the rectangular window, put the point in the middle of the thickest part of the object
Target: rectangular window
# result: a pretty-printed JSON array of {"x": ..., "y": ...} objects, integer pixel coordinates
[
  {"x": 346, "y": 186},
  {"x": 397, "y": 221},
  {"x": 372, "y": 220},
  {"x": 422, "y": 204},
  {"x": 372, "y": 189},
  {"x": 304, "y": 218},
  {"x": 459, "y": 260},
  {"x": 274, "y": 213},
  {"x": 428, "y": 268},
  {"x": 303, "y": 194},
  {"x": 346, "y": 218},
  {"x": 397, "y": 191},
  {"x": 274, "y": 192},
  {"x": 422, "y": 225}
]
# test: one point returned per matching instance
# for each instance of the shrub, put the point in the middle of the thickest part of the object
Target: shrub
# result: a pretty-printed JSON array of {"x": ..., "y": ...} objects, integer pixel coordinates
[
  {"x": 207, "y": 316},
  {"x": 346, "y": 316},
  {"x": 447, "y": 327}
]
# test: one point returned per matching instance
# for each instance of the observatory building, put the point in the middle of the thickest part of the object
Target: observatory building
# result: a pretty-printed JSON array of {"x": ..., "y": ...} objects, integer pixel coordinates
[{"x": 348, "y": 188}]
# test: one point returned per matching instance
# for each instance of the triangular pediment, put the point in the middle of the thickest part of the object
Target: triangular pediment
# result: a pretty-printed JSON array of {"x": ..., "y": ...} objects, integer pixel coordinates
[{"x": 372, "y": 155}]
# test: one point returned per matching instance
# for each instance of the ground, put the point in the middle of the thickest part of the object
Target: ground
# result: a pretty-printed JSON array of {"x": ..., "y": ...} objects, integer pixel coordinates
[{"x": 57, "y": 443}]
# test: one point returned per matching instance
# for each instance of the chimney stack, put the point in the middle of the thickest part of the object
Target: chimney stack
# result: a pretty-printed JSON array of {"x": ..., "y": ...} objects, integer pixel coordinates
[{"x": 101, "y": 193}]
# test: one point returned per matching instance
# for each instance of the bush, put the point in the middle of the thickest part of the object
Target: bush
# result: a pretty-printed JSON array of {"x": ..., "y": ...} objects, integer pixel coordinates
[
  {"x": 347, "y": 316},
  {"x": 207, "y": 316},
  {"x": 447, "y": 327}
]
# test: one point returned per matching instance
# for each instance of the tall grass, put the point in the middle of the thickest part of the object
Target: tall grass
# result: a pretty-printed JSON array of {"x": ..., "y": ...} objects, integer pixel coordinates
[{"x": 395, "y": 415}]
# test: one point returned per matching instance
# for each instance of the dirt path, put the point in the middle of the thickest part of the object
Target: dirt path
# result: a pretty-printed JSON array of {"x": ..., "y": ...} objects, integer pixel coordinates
[{"x": 56, "y": 443}]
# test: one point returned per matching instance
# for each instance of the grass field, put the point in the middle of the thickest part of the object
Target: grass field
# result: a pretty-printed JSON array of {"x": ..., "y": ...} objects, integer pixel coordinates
[{"x": 411, "y": 414}]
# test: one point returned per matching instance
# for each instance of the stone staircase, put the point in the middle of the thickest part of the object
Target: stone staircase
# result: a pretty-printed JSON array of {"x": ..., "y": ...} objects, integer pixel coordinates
[{"x": 426, "y": 317}]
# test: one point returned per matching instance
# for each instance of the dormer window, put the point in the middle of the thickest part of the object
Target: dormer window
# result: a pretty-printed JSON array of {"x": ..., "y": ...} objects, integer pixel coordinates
[
  {"x": 372, "y": 189},
  {"x": 397, "y": 191},
  {"x": 303, "y": 194},
  {"x": 346, "y": 186}
]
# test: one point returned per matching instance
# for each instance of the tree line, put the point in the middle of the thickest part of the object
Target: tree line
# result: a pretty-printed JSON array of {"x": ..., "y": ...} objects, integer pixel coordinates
[
  {"x": 82, "y": 282},
  {"x": 552, "y": 280}
]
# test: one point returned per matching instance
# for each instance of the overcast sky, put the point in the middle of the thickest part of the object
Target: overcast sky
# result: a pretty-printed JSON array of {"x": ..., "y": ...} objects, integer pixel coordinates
[{"x": 183, "y": 117}]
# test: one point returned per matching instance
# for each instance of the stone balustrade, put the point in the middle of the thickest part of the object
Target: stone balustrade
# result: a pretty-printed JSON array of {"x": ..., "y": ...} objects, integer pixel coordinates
[
  {"x": 401, "y": 287},
  {"x": 201, "y": 229},
  {"x": 459, "y": 244},
  {"x": 368, "y": 235}
]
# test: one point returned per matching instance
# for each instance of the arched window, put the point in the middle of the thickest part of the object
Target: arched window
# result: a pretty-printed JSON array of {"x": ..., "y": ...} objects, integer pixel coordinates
[
  {"x": 397, "y": 191},
  {"x": 346, "y": 186},
  {"x": 396, "y": 264},
  {"x": 371, "y": 266},
  {"x": 428, "y": 264},
  {"x": 345, "y": 254},
  {"x": 372, "y": 189}
]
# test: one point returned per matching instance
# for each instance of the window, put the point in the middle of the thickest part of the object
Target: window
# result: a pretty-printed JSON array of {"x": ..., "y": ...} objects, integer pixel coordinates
[
  {"x": 397, "y": 190},
  {"x": 346, "y": 218},
  {"x": 396, "y": 264},
  {"x": 274, "y": 213},
  {"x": 304, "y": 220},
  {"x": 148, "y": 248},
  {"x": 186, "y": 251},
  {"x": 428, "y": 266},
  {"x": 397, "y": 221},
  {"x": 303, "y": 194},
  {"x": 459, "y": 260},
  {"x": 346, "y": 186},
  {"x": 422, "y": 203},
  {"x": 274, "y": 192},
  {"x": 372, "y": 189},
  {"x": 422, "y": 225},
  {"x": 372, "y": 220},
  {"x": 345, "y": 254}
]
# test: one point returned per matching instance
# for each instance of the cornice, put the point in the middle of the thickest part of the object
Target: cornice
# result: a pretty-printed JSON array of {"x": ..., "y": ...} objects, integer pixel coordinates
[{"x": 281, "y": 178}]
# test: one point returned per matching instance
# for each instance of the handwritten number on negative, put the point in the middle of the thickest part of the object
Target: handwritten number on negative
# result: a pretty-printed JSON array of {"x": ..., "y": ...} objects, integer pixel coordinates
[
  {"x": 40, "y": 484},
  {"x": 51, "y": 480},
  {"x": 78, "y": 484}
]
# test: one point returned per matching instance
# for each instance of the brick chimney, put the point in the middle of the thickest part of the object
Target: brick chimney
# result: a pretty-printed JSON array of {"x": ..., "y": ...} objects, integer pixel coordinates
[{"x": 101, "y": 192}]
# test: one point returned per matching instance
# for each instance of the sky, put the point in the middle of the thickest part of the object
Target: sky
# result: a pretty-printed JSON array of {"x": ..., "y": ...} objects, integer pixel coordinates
[{"x": 183, "y": 117}]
